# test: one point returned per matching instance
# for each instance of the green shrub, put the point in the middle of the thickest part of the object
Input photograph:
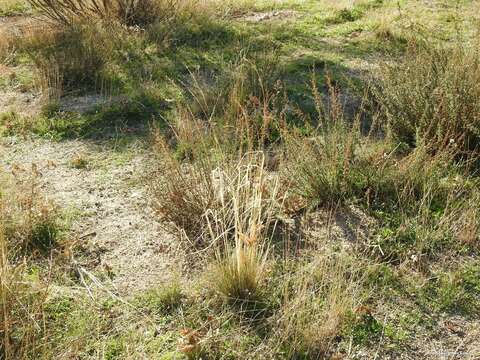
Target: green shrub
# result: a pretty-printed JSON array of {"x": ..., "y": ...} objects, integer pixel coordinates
[{"x": 432, "y": 96}]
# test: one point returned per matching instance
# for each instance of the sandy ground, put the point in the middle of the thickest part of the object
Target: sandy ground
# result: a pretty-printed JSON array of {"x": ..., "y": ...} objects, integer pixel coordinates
[{"x": 113, "y": 218}]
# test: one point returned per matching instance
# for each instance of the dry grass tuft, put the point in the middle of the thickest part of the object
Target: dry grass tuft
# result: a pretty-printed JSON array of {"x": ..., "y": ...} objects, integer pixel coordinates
[
  {"x": 317, "y": 303},
  {"x": 242, "y": 226},
  {"x": 30, "y": 222},
  {"x": 184, "y": 192},
  {"x": 127, "y": 12},
  {"x": 68, "y": 60},
  {"x": 21, "y": 306},
  {"x": 28, "y": 225}
]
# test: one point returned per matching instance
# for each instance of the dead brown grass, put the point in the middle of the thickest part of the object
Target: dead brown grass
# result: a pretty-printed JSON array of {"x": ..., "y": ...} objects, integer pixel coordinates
[
  {"x": 7, "y": 47},
  {"x": 326, "y": 292},
  {"x": 242, "y": 227},
  {"x": 127, "y": 12},
  {"x": 27, "y": 228}
]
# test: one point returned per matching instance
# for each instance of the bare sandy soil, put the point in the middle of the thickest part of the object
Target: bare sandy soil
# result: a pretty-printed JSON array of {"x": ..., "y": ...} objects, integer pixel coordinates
[{"x": 112, "y": 217}]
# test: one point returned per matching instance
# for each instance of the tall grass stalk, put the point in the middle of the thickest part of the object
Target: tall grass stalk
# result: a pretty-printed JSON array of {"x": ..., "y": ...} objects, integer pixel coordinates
[
  {"x": 242, "y": 226},
  {"x": 321, "y": 167}
]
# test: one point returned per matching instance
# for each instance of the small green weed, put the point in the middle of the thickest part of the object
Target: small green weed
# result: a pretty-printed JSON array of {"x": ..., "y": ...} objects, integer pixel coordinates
[{"x": 162, "y": 301}]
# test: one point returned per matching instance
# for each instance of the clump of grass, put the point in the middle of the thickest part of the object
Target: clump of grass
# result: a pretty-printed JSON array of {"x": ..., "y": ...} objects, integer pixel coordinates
[
  {"x": 163, "y": 300},
  {"x": 30, "y": 223},
  {"x": 432, "y": 96},
  {"x": 21, "y": 301},
  {"x": 347, "y": 15},
  {"x": 317, "y": 305},
  {"x": 13, "y": 123},
  {"x": 70, "y": 60},
  {"x": 355, "y": 12},
  {"x": 205, "y": 139},
  {"x": 79, "y": 162},
  {"x": 128, "y": 12},
  {"x": 50, "y": 109},
  {"x": 321, "y": 168},
  {"x": 241, "y": 227},
  {"x": 7, "y": 48}
]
